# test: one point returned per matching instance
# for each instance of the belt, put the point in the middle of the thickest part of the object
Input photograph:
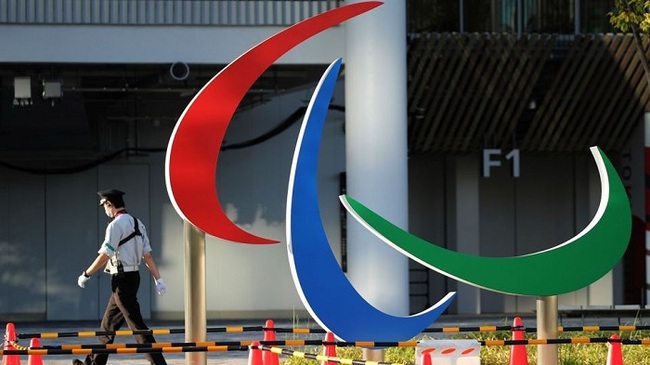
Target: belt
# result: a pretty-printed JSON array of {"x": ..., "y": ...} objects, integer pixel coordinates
[{"x": 125, "y": 268}]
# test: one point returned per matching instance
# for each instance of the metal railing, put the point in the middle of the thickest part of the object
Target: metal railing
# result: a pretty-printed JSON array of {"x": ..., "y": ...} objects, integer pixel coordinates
[{"x": 161, "y": 12}]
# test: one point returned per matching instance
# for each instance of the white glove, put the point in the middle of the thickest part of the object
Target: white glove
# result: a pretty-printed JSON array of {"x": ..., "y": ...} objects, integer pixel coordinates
[
  {"x": 161, "y": 288},
  {"x": 82, "y": 279}
]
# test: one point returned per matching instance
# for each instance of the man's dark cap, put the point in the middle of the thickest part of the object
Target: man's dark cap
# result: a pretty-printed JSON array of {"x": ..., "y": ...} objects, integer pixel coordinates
[{"x": 112, "y": 195}]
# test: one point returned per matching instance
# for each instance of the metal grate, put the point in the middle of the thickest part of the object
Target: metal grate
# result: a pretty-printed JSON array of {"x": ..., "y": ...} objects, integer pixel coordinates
[
  {"x": 161, "y": 12},
  {"x": 539, "y": 92}
]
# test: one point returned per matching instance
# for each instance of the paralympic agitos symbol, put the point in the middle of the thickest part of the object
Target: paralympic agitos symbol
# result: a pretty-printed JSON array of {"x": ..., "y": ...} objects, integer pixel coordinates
[{"x": 330, "y": 298}]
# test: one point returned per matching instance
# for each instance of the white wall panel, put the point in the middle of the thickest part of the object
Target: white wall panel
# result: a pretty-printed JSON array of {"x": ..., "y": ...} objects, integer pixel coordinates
[
  {"x": 23, "y": 278},
  {"x": 72, "y": 243},
  {"x": 154, "y": 44}
]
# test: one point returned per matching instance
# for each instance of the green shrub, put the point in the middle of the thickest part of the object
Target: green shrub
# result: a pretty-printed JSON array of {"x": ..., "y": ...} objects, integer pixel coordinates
[{"x": 569, "y": 354}]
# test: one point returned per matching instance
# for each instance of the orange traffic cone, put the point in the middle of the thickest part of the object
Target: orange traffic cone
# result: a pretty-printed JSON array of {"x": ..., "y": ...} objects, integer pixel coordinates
[
  {"x": 518, "y": 354},
  {"x": 268, "y": 357},
  {"x": 255, "y": 354},
  {"x": 329, "y": 349},
  {"x": 614, "y": 354},
  {"x": 10, "y": 336},
  {"x": 34, "y": 359},
  {"x": 426, "y": 359}
]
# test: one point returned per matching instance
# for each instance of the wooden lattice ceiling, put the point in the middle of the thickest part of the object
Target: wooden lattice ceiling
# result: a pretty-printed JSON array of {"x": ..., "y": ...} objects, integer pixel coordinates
[{"x": 539, "y": 92}]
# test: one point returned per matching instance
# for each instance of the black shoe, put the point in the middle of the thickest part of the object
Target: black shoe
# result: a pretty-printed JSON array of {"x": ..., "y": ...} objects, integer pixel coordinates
[{"x": 77, "y": 362}]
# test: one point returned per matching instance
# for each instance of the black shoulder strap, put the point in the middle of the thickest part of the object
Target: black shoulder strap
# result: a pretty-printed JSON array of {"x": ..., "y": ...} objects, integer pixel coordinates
[{"x": 133, "y": 234}]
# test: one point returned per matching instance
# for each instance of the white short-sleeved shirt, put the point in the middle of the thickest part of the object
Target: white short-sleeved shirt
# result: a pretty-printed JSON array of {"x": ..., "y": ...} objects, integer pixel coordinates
[{"x": 130, "y": 253}]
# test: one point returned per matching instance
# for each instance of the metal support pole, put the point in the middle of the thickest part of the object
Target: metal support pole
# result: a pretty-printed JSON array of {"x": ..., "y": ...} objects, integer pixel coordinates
[
  {"x": 547, "y": 328},
  {"x": 195, "y": 309}
]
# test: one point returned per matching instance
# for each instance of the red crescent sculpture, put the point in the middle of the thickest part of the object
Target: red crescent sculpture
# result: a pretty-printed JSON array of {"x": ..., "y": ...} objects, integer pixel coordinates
[{"x": 193, "y": 151}]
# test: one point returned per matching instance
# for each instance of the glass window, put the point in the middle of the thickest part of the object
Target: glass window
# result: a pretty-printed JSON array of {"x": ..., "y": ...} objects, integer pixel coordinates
[
  {"x": 514, "y": 16},
  {"x": 549, "y": 16},
  {"x": 433, "y": 16},
  {"x": 509, "y": 16},
  {"x": 489, "y": 16},
  {"x": 594, "y": 16}
]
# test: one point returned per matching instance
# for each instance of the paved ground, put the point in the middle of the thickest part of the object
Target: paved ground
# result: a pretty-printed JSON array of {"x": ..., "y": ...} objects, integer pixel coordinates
[{"x": 241, "y": 357}]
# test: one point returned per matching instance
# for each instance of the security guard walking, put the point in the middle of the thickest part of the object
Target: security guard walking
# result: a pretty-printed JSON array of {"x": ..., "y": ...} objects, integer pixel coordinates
[{"x": 125, "y": 245}]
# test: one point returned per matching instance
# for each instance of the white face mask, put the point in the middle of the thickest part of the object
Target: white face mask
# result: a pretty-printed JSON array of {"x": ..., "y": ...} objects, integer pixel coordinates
[{"x": 108, "y": 211}]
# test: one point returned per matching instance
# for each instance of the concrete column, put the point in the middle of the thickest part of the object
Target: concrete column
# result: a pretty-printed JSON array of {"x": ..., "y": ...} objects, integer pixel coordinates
[
  {"x": 376, "y": 149},
  {"x": 195, "y": 304}
]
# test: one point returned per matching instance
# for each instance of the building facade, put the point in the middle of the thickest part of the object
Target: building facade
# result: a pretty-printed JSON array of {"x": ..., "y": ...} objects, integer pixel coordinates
[{"x": 91, "y": 91}]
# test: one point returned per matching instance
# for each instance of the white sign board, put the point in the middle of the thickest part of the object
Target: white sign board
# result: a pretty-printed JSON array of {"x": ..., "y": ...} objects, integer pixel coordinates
[{"x": 449, "y": 352}]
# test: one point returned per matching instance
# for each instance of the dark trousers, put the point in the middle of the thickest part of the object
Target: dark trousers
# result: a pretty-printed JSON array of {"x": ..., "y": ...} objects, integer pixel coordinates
[{"x": 123, "y": 307}]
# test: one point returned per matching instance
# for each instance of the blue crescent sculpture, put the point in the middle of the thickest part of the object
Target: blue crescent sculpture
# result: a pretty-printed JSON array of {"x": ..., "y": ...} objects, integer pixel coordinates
[{"x": 324, "y": 289}]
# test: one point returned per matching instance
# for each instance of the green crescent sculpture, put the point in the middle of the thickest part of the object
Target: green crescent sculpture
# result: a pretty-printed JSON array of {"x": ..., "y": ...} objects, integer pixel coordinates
[{"x": 564, "y": 268}]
